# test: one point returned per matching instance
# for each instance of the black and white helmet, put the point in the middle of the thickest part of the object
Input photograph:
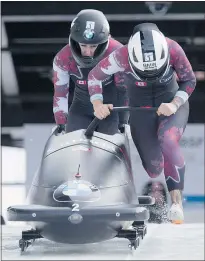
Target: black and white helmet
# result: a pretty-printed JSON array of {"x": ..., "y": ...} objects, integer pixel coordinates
[
  {"x": 90, "y": 26},
  {"x": 148, "y": 51}
]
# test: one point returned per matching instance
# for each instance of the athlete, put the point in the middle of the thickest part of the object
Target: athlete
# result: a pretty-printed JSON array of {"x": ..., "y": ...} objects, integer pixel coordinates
[
  {"x": 89, "y": 42},
  {"x": 151, "y": 62}
]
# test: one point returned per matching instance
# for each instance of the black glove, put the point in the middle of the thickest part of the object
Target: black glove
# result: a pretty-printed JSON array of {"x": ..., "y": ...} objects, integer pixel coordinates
[
  {"x": 61, "y": 128},
  {"x": 121, "y": 127}
]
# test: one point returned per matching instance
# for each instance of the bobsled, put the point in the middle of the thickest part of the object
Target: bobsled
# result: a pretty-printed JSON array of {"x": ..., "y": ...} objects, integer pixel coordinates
[{"x": 83, "y": 191}]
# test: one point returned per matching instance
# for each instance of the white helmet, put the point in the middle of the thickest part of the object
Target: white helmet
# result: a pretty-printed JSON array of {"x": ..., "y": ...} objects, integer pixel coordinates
[{"x": 148, "y": 51}]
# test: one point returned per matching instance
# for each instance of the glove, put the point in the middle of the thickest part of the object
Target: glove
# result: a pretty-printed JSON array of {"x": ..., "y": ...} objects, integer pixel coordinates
[{"x": 61, "y": 128}]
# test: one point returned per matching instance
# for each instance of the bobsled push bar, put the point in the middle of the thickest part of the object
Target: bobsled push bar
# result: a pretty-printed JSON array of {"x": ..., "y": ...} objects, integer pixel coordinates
[
  {"x": 125, "y": 212},
  {"x": 93, "y": 125}
]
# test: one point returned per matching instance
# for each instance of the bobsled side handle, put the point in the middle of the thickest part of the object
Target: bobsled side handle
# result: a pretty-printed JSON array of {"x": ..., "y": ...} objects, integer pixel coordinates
[
  {"x": 128, "y": 108},
  {"x": 91, "y": 128}
]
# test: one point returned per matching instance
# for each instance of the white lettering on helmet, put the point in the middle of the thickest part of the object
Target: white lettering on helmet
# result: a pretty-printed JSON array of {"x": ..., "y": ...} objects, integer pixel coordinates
[{"x": 150, "y": 66}]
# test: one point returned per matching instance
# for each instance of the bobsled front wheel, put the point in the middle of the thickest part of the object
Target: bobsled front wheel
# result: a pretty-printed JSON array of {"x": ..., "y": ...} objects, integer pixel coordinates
[
  {"x": 134, "y": 244},
  {"x": 142, "y": 231}
]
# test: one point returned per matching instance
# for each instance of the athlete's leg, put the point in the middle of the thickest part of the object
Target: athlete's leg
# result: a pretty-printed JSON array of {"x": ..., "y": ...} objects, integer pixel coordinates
[
  {"x": 77, "y": 118},
  {"x": 170, "y": 132},
  {"x": 77, "y": 122},
  {"x": 109, "y": 125},
  {"x": 143, "y": 125}
]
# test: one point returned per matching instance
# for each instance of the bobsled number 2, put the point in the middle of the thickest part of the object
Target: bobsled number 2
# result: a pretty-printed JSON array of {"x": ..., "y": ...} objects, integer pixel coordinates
[{"x": 75, "y": 207}]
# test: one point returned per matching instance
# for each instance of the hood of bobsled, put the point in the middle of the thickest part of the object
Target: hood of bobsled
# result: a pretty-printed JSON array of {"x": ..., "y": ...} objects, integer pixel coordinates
[{"x": 78, "y": 168}]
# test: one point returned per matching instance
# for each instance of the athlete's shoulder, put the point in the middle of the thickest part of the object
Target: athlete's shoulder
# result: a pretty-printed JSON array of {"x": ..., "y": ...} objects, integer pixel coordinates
[
  {"x": 63, "y": 56},
  {"x": 112, "y": 46},
  {"x": 64, "y": 53},
  {"x": 173, "y": 45},
  {"x": 114, "y": 43},
  {"x": 117, "y": 48},
  {"x": 175, "y": 50},
  {"x": 121, "y": 56},
  {"x": 65, "y": 60}
]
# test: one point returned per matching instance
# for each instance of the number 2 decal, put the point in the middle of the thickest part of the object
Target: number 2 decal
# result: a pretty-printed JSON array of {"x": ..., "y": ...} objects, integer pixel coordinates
[{"x": 75, "y": 207}]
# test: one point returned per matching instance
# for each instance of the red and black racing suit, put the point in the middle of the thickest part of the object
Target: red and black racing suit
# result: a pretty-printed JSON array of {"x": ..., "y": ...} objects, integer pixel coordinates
[
  {"x": 156, "y": 137},
  {"x": 80, "y": 113}
]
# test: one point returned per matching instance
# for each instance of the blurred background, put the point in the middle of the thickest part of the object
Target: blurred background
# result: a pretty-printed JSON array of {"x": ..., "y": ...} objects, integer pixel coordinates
[{"x": 33, "y": 32}]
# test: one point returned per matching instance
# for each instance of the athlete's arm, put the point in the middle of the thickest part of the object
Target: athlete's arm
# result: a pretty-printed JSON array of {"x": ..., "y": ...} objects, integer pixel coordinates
[
  {"x": 185, "y": 74},
  {"x": 61, "y": 81},
  {"x": 108, "y": 66}
]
